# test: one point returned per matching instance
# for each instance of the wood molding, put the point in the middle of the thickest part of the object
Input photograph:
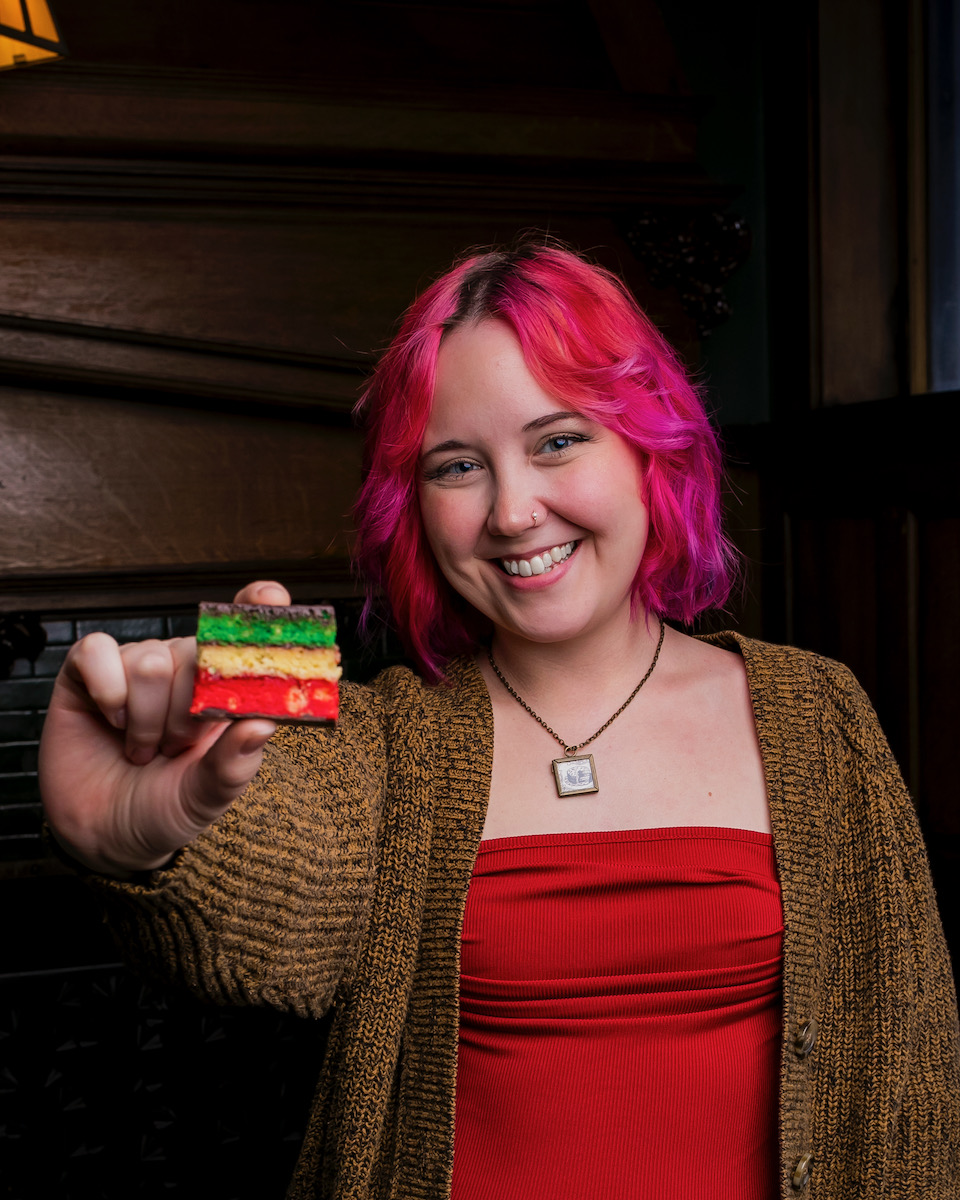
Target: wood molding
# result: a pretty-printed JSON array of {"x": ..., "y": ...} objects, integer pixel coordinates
[
  {"x": 446, "y": 183},
  {"x": 249, "y": 117},
  {"x": 102, "y": 360},
  {"x": 78, "y": 591}
]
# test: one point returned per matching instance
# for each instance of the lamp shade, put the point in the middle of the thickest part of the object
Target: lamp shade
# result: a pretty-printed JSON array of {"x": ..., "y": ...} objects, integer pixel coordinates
[{"x": 28, "y": 33}]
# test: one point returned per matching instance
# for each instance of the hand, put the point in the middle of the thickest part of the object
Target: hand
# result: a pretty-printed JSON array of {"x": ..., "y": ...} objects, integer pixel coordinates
[{"x": 127, "y": 776}]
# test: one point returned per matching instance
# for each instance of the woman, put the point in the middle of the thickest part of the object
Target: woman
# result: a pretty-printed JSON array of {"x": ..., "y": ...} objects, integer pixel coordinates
[{"x": 700, "y": 946}]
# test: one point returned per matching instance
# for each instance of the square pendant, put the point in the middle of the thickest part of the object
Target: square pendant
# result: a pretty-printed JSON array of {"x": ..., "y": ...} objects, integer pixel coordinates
[{"x": 575, "y": 775}]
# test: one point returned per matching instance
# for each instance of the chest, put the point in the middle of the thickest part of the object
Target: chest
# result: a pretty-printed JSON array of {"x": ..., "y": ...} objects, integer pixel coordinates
[{"x": 681, "y": 765}]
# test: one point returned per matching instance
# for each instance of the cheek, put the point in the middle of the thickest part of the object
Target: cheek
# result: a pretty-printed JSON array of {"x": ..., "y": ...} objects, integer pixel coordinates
[
  {"x": 611, "y": 499},
  {"x": 618, "y": 514},
  {"x": 429, "y": 521},
  {"x": 444, "y": 527}
]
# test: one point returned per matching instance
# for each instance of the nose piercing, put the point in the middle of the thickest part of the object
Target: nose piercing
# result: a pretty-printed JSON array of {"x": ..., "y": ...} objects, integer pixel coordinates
[{"x": 536, "y": 517}]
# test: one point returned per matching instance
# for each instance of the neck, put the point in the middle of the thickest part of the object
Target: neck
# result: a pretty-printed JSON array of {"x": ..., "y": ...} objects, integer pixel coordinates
[{"x": 600, "y": 665}]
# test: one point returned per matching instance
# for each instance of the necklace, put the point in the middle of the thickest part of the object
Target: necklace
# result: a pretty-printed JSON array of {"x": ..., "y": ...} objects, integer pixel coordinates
[{"x": 576, "y": 774}]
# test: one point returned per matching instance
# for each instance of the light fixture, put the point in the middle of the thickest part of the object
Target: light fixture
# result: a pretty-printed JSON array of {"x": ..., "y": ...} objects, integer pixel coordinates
[{"x": 28, "y": 33}]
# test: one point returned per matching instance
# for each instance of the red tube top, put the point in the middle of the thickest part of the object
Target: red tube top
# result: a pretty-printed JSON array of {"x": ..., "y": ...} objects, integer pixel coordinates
[{"x": 620, "y": 1015}]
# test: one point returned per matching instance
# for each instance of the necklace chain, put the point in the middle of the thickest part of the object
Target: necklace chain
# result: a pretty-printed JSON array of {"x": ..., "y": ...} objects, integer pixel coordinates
[{"x": 569, "y": 750}]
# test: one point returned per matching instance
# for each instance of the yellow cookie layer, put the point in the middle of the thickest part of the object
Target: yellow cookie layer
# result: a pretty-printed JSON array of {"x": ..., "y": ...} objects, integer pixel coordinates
[{"x": 292, "y": 662}]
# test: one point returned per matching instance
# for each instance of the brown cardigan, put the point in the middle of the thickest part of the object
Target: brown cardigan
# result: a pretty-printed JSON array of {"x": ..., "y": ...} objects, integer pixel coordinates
[{"x": 340, "y": 876}]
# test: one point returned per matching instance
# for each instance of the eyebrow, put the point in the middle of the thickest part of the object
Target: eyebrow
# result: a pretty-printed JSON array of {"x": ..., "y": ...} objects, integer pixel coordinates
[
  {"x": 538, "y": 423},
  {"x": 443, "y": 447},
  {"x": 550, "y": 418}
]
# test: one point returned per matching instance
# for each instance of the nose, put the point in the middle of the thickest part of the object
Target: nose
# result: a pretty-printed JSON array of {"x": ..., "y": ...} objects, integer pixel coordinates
[{"x": 512, "y": 508}]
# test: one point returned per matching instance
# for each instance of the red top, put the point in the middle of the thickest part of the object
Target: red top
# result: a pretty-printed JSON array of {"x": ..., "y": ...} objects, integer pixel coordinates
[{"x": 620, "y": 1017}]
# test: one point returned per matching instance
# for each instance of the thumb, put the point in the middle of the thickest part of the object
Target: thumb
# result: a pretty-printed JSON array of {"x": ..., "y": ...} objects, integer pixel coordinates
[
  {"x": 213, "y": 782},
  {"x": 264, "y": 591}
]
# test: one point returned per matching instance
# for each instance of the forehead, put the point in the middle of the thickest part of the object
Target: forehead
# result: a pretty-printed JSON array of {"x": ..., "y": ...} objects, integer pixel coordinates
[{"x": 481, "y": 372}]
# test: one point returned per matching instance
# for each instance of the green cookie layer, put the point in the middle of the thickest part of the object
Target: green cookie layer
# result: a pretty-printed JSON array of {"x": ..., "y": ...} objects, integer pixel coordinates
[{"x": 267, "y": 625}]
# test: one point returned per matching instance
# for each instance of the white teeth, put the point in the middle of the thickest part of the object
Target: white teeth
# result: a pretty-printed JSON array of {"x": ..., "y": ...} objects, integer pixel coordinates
[{"x": 539, "y": 563}]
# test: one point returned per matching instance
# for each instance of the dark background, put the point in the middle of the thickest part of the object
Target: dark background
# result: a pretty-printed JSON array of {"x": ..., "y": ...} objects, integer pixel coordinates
[{"x": 211, "y": 214}]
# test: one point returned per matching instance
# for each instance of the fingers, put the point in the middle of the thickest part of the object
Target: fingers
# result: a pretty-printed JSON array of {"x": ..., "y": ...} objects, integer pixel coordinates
[
  {"x": 182, "y": 730},
  {"x": 264, "y": 591},
  {"x": 143, "y": 689},
  {"x": 151, "y": 669},
  {"x": 94, "y": 671},
  {"x": 220, "y": 775}
]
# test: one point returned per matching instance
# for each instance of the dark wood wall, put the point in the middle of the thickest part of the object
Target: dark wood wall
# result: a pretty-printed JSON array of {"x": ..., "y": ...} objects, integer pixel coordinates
[{"x": 853, "y": 478}]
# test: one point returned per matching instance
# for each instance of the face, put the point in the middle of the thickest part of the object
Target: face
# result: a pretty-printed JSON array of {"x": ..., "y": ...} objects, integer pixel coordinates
[{"x": 498, "y": 449}]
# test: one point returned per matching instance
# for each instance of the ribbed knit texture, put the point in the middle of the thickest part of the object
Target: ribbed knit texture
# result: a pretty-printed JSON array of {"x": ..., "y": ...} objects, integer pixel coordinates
[
  {"x": 620, "y": 1017},
  {"x": 340, "y": 877}
]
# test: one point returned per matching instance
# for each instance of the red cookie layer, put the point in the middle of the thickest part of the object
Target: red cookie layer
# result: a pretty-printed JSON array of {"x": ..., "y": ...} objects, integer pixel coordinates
[{"x": 262, "y": 696}]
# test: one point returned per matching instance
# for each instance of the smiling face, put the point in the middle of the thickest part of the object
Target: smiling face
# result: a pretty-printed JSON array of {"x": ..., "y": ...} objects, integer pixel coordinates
[{"x": 498, "y": 449}]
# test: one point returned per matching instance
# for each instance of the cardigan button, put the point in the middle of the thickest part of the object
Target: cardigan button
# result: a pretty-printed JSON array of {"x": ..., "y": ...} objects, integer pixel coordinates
[
  {"x": 806, "y": 1038},
  {"x": 801, "y": 1172}
]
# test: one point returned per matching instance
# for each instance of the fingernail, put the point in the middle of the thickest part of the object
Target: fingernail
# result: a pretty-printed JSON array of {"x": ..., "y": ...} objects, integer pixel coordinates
[
  {"x": 141, "y": 755},
  {"x": 119, "y": 719}
]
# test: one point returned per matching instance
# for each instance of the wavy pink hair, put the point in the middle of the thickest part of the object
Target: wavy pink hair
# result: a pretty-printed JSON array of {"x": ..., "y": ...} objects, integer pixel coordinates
[{"x": 587, "y": 343}]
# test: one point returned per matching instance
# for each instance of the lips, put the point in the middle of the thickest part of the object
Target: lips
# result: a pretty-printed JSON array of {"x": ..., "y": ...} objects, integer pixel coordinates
[{"x": 538, "y": 564}]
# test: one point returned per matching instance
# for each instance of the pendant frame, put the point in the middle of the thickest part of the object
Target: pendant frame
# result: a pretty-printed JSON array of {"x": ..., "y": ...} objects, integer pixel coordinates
[{"x": 575, "y": 775}]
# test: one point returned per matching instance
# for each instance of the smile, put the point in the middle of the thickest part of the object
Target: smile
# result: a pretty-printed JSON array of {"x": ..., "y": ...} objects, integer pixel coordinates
[{"x": 539, "y": 563}]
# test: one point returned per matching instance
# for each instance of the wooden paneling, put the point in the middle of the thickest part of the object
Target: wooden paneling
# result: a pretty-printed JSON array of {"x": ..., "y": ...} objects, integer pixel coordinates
[
  {"x": 842, "y": 159},
  {"x": 157, "y": 112},
  {"x": 862, "y": 302},
  {"x": 940, "y": 670},
  {"x": 260, "y": 302},
  {"x": 114, "y": 488},
  {"x": 834, "y": 571},
  {"x": 626, "y": 25},
  {"x": 853, "y": 595},
  {"x": 861, "y": 540},
  {"x": 483, "y": 41}
]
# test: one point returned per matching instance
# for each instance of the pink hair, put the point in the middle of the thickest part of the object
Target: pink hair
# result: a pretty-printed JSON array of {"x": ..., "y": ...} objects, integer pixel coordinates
[{"x": 587, "y": 343}]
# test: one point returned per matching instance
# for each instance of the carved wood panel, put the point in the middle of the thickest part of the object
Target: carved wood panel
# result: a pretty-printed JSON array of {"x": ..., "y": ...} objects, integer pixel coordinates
[{"x": 104, "y": 486}]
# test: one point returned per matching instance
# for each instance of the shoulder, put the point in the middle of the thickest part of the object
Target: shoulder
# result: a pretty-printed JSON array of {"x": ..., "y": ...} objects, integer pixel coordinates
[
  {"x": 396, "y": 705},
  {"x": 808, "y": 697},
  {"x": 398, "y": 693},
  {"x": 786, "y": 672},
  {"x": 765, "y": 659}
]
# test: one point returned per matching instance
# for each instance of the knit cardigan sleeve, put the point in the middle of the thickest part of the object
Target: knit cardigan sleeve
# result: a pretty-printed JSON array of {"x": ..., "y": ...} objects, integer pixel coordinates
[
  {"x": 270, "y": 904},
  {"x": 904, "y": 1017}
]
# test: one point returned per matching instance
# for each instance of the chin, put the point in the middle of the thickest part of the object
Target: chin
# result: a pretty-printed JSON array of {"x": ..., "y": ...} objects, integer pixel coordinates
[{"x": 542, "y": 633}]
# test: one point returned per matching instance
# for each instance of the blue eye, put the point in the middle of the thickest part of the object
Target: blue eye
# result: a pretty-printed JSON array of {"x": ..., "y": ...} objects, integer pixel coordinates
[
  {"x": 454, "y": 470},
  {"x": 561, "y": 441}
]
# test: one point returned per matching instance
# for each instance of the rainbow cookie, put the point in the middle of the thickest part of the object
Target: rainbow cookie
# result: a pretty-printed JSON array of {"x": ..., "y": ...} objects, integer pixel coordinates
[{"x": 256, "y": 660}]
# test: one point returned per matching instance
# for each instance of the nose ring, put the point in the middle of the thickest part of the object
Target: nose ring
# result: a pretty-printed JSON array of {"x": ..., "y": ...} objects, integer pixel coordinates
[{"x": 536, "y": 517}]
